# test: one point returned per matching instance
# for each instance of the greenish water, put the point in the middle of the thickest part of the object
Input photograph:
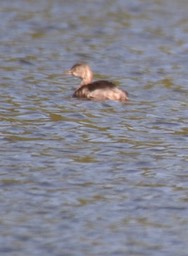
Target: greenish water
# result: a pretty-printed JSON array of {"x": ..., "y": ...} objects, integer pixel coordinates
[{"x": 93, "y": 178}]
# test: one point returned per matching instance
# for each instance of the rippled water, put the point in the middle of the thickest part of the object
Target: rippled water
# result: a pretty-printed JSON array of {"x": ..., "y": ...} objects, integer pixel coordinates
[{"x": 94, "y": 178}]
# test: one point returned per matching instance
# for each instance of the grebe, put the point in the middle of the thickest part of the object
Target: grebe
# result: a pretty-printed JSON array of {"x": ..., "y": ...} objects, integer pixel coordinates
[{"x": 97, "y": 90}]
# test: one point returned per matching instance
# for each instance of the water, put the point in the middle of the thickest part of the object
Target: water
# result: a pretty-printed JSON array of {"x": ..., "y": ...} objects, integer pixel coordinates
[{"x": 94, "y": 178}]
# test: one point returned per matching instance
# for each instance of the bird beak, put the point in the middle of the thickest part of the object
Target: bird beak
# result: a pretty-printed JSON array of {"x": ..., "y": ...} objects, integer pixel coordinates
[{"x": 68, "y": 72}]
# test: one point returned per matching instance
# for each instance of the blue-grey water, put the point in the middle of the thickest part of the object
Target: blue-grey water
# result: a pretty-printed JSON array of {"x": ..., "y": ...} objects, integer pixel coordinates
[{"x": 83, "y": 178}]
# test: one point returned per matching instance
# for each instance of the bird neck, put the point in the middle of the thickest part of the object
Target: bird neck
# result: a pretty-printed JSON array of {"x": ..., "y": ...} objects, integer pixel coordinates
[{"x": 87, "y": 78}]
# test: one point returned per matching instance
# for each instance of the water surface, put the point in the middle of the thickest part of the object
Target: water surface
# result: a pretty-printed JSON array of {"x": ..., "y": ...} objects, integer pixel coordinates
[{"x": 94, "y": 178}]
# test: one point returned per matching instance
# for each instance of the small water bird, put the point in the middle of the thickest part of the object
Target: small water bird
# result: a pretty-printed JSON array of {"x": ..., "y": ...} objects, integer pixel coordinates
[{"x": 98, "y": 90}]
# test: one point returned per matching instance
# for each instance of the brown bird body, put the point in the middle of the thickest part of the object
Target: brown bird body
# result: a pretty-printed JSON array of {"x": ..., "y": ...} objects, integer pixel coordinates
[{"x": 97, "y": 90}]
